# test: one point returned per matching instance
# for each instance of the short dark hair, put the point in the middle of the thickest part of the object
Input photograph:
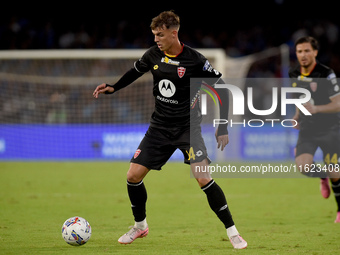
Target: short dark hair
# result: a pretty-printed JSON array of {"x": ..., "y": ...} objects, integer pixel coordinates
[
  {"x": 308, "y": 39},
  {"x": 167, "y": 18}
]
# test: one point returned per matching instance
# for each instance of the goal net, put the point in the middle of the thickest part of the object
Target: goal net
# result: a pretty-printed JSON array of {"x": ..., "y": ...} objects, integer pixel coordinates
[{"x": 47, "y": 111}]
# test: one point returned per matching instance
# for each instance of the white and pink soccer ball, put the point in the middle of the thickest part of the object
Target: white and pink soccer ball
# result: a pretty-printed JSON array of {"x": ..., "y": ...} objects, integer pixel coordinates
[{"x": 76, "y": 231}]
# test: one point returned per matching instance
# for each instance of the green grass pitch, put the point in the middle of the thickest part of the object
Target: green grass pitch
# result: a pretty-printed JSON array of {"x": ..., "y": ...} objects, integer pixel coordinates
[{"x": 275, "y": 216}]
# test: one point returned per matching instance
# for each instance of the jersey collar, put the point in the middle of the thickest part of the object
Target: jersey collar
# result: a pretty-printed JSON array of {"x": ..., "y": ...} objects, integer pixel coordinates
[
  {"x": 174, "y": 56},
  {"x": 307, "y": 74}
]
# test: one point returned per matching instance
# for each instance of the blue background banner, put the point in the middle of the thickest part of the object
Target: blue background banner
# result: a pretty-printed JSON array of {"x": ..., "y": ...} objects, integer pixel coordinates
[
  {"x": 119, "y": 142},
  {"x": 268, "y": 143},
  {"x": 69, "y": 142}
]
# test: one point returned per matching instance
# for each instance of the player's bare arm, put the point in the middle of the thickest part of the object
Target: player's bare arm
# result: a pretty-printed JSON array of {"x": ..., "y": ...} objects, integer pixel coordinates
[{"x": 332, "y": 107}]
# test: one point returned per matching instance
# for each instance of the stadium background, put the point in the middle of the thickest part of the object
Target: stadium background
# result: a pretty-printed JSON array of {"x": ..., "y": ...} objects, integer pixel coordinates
[
  {"x": 274, "y": 215},
  {"x": 61, "y": 114}
]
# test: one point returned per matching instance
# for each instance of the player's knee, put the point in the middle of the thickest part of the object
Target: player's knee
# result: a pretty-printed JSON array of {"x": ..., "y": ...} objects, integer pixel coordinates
[
  {"x": 132, "y": 177},
  {"x": 303, "y": 162},
  {"x": 136, "y": 173},
  {"x": 303, "y": 165},
  {"x": 203, "y": 181}
]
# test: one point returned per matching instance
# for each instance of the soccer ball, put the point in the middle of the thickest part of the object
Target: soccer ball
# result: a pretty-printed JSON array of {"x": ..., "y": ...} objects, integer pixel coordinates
[{"x": 76, "y": 231}]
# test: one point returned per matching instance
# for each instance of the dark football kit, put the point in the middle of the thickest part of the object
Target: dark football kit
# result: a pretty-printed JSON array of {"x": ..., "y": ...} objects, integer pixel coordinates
[
  {"x": 175, "y": 122},
  {"x": 320, "y": 129}
]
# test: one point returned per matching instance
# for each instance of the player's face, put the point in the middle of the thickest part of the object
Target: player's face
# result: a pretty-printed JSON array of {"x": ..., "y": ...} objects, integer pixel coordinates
[
  {"x": 164, "y": 38},
  {"x": 306, "y": 54}
]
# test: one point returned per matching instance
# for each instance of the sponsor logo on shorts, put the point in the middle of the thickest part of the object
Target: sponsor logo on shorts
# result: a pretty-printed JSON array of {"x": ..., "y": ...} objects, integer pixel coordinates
[{"x": 192, "y": 155}]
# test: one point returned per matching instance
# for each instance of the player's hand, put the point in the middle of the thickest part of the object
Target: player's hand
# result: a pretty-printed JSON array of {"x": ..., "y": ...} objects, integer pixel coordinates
[
  {"x": 102, "y": 89},
  {"x": 222, "y": 141},
  {"x": 310, "y": 107}
]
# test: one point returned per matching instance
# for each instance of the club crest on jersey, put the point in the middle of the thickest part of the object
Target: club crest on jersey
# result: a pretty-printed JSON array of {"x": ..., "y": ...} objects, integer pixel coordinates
[
  {"x": 138, "y": 151},
  {"x": 313, "y": 86},
  {"x": 180, "y": 71}
]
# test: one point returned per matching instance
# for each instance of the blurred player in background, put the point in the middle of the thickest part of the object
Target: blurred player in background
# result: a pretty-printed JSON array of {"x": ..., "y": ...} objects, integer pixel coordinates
[
  {"x": 176, "y": 117},
  {"x": 321, "y": 129}
]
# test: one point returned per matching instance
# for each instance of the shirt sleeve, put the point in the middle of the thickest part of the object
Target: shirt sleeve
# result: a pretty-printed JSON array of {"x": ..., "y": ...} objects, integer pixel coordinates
[
  {"x": 333, "y": 88},
  {"x": 211, "y": 76},
  {"x": 224, "y": 108},
  {"x": 129, "y": 77},
  {"x": 207, "y": 71},
  {"x": 142, "y": 65}
]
